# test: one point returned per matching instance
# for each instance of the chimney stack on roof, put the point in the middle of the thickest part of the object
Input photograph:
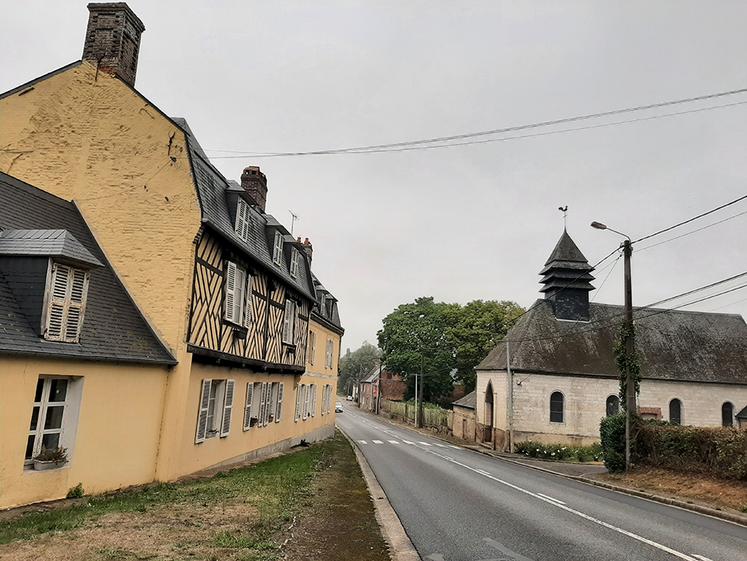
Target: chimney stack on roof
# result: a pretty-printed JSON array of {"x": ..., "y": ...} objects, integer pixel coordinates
[
  {"x": 254, "y": 183},
  {"x": 113, "y": 39},
  {"x": 308, "y": 248}
]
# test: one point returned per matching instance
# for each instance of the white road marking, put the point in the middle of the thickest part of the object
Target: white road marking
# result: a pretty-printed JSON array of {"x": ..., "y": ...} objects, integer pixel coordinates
[
  {"x": 377, "y": 442},
  {"x": 392, "y": 442},
  {"x": 702, "y": 557},
  {"x": 652, "y": 543},
  {"x": 440, "y": 445},
  {"x": 424, "y": 443},
  {"x": 407, "y": 441},
  {"x": 503, "y": 549},
  {"x": 362, "y": 442},
  {"x": 482, "y": 471},
  {"x": 551, "y": 498},
  {"x": 457, "y": 447}
]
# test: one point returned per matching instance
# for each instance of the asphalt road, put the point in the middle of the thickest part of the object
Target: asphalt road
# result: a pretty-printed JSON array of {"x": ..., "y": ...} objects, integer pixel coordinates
[{"x": 459, "y": 505}]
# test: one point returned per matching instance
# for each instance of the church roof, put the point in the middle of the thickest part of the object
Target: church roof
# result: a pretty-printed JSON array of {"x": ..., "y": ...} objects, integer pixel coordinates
[
  {"x": 566, "y": 250},
  {"x": 674, "y": 345},
  {"x": 566, "y": 267}
]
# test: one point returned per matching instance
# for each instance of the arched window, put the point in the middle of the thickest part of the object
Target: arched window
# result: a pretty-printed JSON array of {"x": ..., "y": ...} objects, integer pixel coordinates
[
  {"x": 556, "y": 407},
  {"x": 727, "y": 414},
  {"x": 613, "y": 405},
  {"x": 675, "y": 411}
]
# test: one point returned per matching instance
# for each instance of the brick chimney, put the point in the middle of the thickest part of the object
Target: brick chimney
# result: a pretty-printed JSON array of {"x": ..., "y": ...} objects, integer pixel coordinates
[
  {"x": 308, "y": 248},
  {"x": 254, "y": 183},
  {"x": 113, "y": 39}
]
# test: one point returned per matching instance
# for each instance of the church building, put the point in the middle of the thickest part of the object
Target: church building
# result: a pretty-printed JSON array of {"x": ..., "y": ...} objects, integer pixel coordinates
[{"x": 565, "y": 380}]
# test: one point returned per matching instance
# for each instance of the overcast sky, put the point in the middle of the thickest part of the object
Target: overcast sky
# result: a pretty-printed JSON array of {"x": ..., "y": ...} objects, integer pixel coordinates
[{"x": 466, "y": 222}]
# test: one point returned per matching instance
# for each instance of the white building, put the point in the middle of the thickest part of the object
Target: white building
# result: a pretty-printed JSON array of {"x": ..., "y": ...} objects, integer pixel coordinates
[{"x": 693, "y": 364}]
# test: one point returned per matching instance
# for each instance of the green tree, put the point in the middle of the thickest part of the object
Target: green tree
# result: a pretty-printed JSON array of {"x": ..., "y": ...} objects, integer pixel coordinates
[
  {"x": 482, "y": 324},
  {"x": 445, "y": 341},
  {"x": 355, "y": 365}
]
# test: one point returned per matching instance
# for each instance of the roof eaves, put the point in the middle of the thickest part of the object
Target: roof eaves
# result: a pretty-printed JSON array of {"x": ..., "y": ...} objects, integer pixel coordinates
[{"x": 38, "y": 79}]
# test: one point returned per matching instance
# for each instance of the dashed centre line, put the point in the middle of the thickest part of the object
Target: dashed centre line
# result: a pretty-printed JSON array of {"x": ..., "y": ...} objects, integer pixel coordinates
[{"x": 377, "y": 442}]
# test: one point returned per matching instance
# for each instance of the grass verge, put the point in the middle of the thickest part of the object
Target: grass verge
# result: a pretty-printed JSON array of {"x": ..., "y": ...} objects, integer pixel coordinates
[{"x": 243, "y": 514}]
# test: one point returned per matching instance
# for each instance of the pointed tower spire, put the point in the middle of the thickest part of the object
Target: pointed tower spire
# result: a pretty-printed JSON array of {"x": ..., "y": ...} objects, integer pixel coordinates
[{"x": 566, "y": 280}]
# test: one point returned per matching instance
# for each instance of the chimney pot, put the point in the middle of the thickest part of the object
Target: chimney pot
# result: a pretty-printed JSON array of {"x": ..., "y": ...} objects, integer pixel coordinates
[
  {"x": 254, "y": 183},
  {"x": 113, "y": 39},
  {"x": 308, "y": 248}
]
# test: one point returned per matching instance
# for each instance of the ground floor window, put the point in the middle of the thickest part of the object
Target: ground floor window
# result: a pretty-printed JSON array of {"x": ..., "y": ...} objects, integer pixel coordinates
[
  {"x": 613, "y": 405},
  {"x": 556, "y": 407},
  {"x": 675, "y": 412},
  {"x": 727, "y": 414},
  {"x": 49, "y": 416},
  {"x": 305, "y": 401},
  {"x": 216, "y": 406}
]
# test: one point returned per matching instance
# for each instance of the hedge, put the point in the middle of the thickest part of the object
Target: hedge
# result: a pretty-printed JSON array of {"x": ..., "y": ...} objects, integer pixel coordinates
[
  {"x": 612, "y": 436},
  {"x": 716, "y": 451}
]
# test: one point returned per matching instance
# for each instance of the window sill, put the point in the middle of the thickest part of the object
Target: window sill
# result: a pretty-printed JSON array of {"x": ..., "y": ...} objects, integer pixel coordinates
[{"x": 30, "y": 469}]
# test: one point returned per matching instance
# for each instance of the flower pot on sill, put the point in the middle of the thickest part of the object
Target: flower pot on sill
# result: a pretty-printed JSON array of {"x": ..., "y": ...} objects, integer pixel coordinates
[{"x": 41, "y": 465}]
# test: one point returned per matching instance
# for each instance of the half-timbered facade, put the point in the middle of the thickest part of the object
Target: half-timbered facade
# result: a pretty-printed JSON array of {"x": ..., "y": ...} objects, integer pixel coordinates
[{"x": 222, "y": 283}]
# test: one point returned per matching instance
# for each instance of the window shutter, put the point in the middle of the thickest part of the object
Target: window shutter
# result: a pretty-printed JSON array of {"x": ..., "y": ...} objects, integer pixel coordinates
[
  {"x": 248, "y": 300},
  {"x": 304, "y": 407},
  {"x": 203, "y": 411},
  {"x": 261, "y": 415},
  {"x": 76, "y": 305},
  {"x": 230, "y": 295},
  {"x": 225, "y": 426},
  {"x": 279, "y": 406},
  {"x": 288, "y": 320},
  {"x": 242, "y": 220},
  {"x": 268, "y": 403},
  {"x": 248, "y": 406},
  {"x": 277, "y": 250},
  {"x": 297, "y": 414},
  {"x": 313, "y": 400},
  {"x": 238, "y": 296},
  {"x": 57, "y": 300}
]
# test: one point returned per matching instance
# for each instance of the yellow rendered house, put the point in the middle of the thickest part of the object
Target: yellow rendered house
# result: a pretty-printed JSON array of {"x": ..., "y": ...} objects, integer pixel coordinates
[{"x": 252, "y": 339}]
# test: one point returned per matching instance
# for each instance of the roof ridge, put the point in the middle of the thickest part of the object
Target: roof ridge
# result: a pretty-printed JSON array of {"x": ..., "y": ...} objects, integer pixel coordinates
[{"x": 40, "y": 78}]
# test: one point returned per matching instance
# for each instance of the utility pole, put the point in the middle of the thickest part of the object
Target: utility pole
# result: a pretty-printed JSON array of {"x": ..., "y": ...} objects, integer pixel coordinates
[
  {"x": 416, "y": 400},
  {"x": 510, "y": 408},
  {"x": 419, "y": 409},
  {"x": 630, "y": 404},
  {"x": 378, "y": 389}
]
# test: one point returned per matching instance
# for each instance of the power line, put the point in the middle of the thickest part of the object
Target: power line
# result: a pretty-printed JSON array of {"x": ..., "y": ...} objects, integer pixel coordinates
[
  {"x": 601, "y": 286},
  {"x": 693, "y": 231},
  {"x": 701, "y": 215},
  {"x": 502, "y": 130},
  {"x": 706, "y": 287}
]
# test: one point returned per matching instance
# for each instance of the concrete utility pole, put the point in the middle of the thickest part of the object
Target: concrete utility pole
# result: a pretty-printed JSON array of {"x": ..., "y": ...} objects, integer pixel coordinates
[
  {"x": 630, "y": 396},
  {"x": 510, "y": 408},
  {"x": 419, "y": 409}
]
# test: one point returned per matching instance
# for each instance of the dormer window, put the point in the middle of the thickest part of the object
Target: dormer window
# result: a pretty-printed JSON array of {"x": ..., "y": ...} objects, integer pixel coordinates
[
  {"x": 66, "y": 303},
  {"x": 277, "y": 250},
  {"x": 295, "y": 255},
  {"x": 242, "y": 220}
]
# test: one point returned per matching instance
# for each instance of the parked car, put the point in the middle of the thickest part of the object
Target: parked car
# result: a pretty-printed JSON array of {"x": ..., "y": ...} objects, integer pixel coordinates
[
  {"x": 349, "y": 398},
  {"x": 338, "y": 407}
]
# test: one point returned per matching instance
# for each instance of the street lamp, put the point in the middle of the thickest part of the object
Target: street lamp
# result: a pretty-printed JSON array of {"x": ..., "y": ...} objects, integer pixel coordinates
[{"x": 630, "y": 404}]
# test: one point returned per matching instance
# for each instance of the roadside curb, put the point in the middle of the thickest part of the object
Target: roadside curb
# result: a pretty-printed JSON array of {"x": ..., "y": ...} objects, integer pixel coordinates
[
  {"x": 400, "y": 546},
  {"x": 732, "y": 517},
  {"x": 700, "y": 509}
]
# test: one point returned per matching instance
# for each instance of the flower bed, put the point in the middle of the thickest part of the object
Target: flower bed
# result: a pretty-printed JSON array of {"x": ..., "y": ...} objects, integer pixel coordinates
[{"x": 560, "y": 452}]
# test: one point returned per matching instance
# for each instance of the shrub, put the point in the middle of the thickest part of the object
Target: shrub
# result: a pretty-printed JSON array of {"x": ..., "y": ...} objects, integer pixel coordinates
[
  {"x": 612, "y": 434},
  {"x": 76, "y": 492},
  {"x": 533, "y": 449},
  {"x": 713, "y": 450}
]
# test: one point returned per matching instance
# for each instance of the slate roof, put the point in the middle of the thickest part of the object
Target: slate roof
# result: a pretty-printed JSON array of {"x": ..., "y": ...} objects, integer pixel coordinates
[
  {"x": 742, "y": 414},
  {"x": 469, "y": 401},
  {"x": 372, "y": 377},
  {"x": 211, "y": 191},
  {"x": 674, "y": 344},
  {"x": 53, "y": 243},
  {"x": 113, "y": 328},
  {"x": 331, "y": 314}
]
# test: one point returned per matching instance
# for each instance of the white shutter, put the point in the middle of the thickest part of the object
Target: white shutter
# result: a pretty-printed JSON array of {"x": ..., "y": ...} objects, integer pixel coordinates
[
  {"x": 277, "y": 250},
  {"x": 248, "y": 300},
  {"x": 313, "y": 400},
  {"x": 248, "y": 406},
  {"x": 242, "y": 220},
  {"x": 225, "y": 426},
  {"x": 279, "y": 405},
  {"x": 286, "y": 321},
  {"x": 262, "y": 404},
  {"x": 268, "y": 403},
  {"x": 203, "y": 411},
  {"x": 76, "y": 305},
  {"x": 298, "y": 403},
  {"x": 238, "y": 296},
  {"x": 230, "y": 292}
]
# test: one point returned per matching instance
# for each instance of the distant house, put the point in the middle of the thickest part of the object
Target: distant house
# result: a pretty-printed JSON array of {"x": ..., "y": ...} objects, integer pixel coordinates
[
  {"x": 693, "y": 364},
  {"x": 390, "y": 385},
  {"x": 80, "y": 367},
  {"x": 463, "y": 420}
]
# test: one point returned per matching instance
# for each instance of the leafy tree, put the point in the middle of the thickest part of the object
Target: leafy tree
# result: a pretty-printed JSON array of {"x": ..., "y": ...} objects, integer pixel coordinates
[
  {"x": 482, "y": 324},
  {"x": 445, "y": 341},
  {"x": 354, "y": 366}
]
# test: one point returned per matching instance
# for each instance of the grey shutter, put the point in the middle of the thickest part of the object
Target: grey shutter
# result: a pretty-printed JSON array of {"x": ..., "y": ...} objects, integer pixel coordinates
[
  {"x": 225, "y": 426},
  {"x": 203, "y": 411},
  {"x": 58, "y": 297},
  {"x": 248, "y": 406},
  {"x": 279, "y": 406},
  {"x": 230, "y": 294},
  {"x": 76, "y": 305}
]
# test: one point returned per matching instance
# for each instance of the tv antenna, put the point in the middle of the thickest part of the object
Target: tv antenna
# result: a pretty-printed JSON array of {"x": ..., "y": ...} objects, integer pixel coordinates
[
  {"x": 294, "y": 218},
  {"x": 564, "y": 210}
]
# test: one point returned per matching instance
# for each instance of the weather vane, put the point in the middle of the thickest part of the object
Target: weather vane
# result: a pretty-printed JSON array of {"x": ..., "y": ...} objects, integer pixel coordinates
[{"x": 564, "y": 210}]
